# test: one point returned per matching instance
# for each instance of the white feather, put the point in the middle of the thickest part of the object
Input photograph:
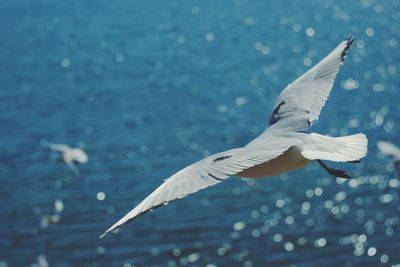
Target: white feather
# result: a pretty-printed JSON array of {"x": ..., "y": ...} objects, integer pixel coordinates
[{"x": 340, "y": 149}]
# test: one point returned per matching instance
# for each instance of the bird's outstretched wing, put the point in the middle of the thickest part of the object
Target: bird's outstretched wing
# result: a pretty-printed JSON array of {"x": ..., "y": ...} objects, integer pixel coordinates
[
  {"x": 59, "y": 148},
  {"x": 205, "y": 173},
  {"x": 302, "y": 100}
]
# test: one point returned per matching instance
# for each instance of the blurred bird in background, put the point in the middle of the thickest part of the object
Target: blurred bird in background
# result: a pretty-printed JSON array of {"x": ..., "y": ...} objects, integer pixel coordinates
[
  {"x": 390, "y": 149},
  {"x": 70, "y": 155}
]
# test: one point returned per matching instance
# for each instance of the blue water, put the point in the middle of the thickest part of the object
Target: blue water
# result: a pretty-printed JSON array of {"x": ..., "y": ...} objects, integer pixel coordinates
[{"x": 147, "y": 87}]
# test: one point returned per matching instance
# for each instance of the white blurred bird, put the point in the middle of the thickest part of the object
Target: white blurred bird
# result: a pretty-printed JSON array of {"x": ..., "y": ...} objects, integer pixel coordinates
[
  {"x": 283, "y": 146},
  {"x": 392, "y": 150},
  {"x": 70, "y": 155},
  {"x": 41, "y": 261}
]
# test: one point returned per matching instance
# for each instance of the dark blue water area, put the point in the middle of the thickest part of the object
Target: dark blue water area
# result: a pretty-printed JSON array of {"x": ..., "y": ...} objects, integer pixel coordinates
[{"x": 148, "y": 87}]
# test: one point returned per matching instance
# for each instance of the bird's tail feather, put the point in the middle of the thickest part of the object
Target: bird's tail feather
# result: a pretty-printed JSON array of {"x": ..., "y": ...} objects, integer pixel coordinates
[{"x": 340, "y": 149}]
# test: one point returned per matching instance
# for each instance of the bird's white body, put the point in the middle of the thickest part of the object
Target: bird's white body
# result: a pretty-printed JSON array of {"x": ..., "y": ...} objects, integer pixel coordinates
[
  {"x": 311, "y": 146},
  {"x": 283, "y": 146},
  {"x": 290, "y": 160},
  {"x": 75, "y": 155}
]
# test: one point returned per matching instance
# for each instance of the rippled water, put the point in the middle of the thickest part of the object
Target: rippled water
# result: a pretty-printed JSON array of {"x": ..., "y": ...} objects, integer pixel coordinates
[{"x": 149, "y": 87}]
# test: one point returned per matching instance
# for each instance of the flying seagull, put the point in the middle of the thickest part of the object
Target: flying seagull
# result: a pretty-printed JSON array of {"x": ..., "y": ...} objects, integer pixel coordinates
[
  {"x": 392, "y": 150},
  {"x": 283, "y": 146},
  {"x": 70, "y": 155}
]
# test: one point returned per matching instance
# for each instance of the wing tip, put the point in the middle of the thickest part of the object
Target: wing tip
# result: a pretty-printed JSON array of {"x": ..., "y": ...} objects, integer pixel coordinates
[
  {"x": 124, "y": 221},
  {"x": 349, "y": 41},
  {"x": 103, "y": 235},
  {"x": 112, "y": 228}
]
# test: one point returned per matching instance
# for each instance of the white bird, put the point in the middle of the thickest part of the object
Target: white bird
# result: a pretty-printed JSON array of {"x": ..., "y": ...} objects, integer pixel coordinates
[
  {"x": 392, "y": 150},
  {"x": 389, "y": 149},
  {"x": 41, "y": 261},
  {"x": 282, "y": 147},
  {"x": 70, "y": 155}
]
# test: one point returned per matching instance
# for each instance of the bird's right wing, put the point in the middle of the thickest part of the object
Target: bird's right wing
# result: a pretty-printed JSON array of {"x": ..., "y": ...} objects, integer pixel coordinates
[
  {"x": 205, "y": 173},
  {"x": 388, "y": 148},
  {"x": 300, "y": 103}
]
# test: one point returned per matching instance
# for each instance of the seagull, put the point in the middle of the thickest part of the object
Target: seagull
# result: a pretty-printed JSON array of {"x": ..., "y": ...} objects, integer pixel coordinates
[
  {"x": 284, "y": 146},
  {"x": 390, "y": 149},
  {"x": 70, "y": 155}
]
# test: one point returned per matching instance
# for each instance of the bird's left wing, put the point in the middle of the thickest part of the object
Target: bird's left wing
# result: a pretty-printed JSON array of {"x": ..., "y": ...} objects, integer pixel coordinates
[
  {"x": 204, "y": 173},
  {"x": 59, "y": 148},
  {"x": 303, "y": 99}
]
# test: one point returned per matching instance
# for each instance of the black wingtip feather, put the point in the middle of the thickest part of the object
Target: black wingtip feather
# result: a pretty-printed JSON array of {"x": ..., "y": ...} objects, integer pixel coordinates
[{"x": 349, "y": 41}]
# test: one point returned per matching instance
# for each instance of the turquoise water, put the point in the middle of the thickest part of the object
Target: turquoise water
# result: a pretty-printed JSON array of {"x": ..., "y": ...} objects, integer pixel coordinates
[{"x": 149, "y": 87}]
